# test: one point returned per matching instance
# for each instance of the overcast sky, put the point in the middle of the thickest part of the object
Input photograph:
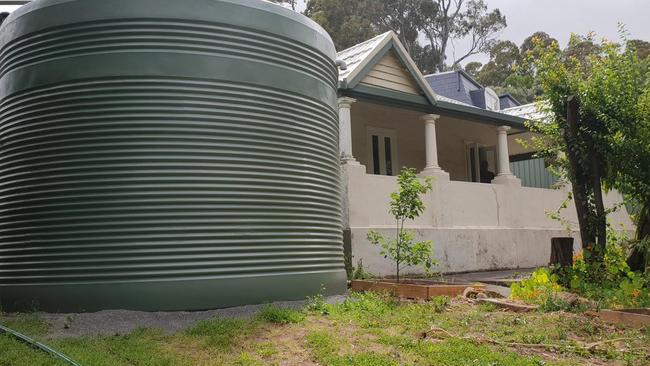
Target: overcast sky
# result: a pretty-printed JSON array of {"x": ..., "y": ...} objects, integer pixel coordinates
[{"x": 559, "y": 18}]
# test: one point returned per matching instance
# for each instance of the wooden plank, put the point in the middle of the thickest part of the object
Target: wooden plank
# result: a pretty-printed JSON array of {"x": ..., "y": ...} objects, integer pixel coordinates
[
  {"x": 415, "y": 290},
  {"x": 369, "y": 80},
  {"x": 628, "y": 318}
]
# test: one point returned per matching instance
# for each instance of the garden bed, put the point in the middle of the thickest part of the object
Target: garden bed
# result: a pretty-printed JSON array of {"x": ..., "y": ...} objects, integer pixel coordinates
[{"x": 413, "y": 289}]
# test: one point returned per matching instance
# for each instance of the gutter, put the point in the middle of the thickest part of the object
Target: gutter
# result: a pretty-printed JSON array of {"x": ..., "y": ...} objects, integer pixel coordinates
[{"x": 480, "y": 115}]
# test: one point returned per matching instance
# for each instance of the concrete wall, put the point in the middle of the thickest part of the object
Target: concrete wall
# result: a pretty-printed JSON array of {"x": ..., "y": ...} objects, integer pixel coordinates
[{"x": 473, "y": 226}]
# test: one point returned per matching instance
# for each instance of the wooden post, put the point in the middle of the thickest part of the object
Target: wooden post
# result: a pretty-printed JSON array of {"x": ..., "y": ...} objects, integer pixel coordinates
[{"x": 562, "y": 251}]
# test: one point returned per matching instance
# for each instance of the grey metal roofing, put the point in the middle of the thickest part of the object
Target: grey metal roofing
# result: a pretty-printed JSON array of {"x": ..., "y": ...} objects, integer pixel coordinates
[
  {"x": 528, "y": 112},
  {"x": 355, "y": 55}
]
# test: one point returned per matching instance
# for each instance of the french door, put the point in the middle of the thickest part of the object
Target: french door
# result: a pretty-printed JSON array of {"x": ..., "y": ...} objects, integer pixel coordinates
[{"x": 382, "y": 151}]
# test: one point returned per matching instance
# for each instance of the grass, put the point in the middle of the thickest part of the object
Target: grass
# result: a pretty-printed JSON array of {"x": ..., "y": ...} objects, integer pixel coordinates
[{"x": 366, "y": 329}]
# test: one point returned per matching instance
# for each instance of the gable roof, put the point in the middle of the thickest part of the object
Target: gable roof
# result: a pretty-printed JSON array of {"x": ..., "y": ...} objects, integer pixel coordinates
[{"x": 361, "y": 58}]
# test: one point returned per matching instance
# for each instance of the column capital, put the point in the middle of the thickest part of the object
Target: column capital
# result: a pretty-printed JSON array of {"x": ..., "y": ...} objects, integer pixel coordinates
[
  {"x": 346, "y": 102},
  {"x": 430, "y": 118},
  {"x": 504, "y": 128}
]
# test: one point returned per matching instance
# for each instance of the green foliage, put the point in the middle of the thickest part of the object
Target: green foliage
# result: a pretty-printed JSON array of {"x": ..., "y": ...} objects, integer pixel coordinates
[
  {"x": 538, "y": 288},
  {"x": 613, "y": 283},
  {"x": 347, "y": 22},
  {"x": 509, "y": 69},
  {"x": 406, "y": 204},
  {"x": 278, "y": 315},
  {"x": 440, "y": 303},
  {"x": 439, "y": 22},
  {"x": 611, "y": 86},
  {"x": 360, "y": 273}
]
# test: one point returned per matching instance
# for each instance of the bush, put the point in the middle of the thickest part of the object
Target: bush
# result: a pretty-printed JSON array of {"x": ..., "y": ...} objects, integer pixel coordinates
[
  {"x": 538, "y": 289},
  {"x": 612, "y": 283}
]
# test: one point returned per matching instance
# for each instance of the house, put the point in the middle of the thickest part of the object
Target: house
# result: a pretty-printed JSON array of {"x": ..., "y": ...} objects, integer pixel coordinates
[{"x": 490, "y": 198}]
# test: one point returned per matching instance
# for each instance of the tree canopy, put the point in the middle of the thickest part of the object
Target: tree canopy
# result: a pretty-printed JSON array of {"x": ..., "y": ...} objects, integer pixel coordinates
[
  {"x": 425, "y": 27},
  {"x": 597, "y": 97}
]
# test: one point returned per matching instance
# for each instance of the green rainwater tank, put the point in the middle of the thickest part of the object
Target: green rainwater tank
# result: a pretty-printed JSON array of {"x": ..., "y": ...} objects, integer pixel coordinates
[{"x": 166, "y": 155}]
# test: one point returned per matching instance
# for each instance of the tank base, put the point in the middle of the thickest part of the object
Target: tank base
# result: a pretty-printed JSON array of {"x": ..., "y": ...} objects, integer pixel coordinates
[{"x": 182, "y": 295}]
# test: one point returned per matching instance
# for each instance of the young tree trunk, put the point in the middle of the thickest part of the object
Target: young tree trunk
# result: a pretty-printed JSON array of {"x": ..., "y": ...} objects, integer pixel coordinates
[
  {"x": 600, "y": 224},
  {"x": 579, "y": 182},
  {"x": 639, "y": 258}
]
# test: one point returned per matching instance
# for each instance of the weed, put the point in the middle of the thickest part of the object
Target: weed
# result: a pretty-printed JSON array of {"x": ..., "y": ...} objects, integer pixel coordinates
[
  {"x": 317, "y": 303},
  {"x": 440, "y": 303},
  {"x": 360, "y": 273},
  {"x": 277, "y": 315}
]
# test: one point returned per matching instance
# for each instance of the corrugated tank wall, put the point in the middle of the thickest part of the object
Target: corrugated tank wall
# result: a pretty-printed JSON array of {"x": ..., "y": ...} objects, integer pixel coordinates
[{"x": 166, "y": 155}]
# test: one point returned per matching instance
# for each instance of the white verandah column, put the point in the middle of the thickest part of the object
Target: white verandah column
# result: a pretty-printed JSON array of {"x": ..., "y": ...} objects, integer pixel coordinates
[
  {"x": 432, "y": 168},
  {"x": 345, "y": 130},
  {"x": 504, "y": 175}
]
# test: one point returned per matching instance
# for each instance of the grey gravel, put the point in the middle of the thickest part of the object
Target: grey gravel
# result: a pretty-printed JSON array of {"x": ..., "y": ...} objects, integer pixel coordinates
[{"x": 122, "y": 322}]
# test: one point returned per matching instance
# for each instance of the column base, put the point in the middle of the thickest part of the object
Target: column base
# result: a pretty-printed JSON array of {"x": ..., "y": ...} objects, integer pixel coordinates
[
  {"x": 349, "y": 161},
  {"x": 437, "y": 173},
  {"x": 507, "y": 179}
]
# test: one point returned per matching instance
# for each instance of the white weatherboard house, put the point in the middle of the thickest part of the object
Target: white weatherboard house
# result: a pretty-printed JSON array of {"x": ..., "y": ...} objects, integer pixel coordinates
[{"x": 488, "y": 206}]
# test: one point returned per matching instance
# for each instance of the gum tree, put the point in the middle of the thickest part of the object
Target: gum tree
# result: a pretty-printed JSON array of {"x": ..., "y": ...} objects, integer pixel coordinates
[{"x": 406, "y": 204}]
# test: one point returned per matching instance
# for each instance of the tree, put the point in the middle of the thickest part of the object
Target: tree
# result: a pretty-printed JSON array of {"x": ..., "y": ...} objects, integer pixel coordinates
[
  {"x": 642, "y": 48},
  {"x": 459, "y": 19},
  {"x": 504, "y": 56},
  {"x": 597, "y": 97},
  {"x": 537, "y": 41},
  {"x": 405, "y": 204},
  {"x": 404, "y": 17},
  {"x": 473, "y": 68},
  {"x": 347, "y": 22}
]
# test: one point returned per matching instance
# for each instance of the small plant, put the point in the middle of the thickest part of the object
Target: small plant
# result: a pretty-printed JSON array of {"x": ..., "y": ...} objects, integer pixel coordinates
[
  {"x": 317, "y": 303},
  {"x": 360, "y": 273},
  {"x": 440, "y": 303},
  {"x": 406, "y": 204},
  {"x": 537, "y": 289},
  {"x": 276, "y": 315}
]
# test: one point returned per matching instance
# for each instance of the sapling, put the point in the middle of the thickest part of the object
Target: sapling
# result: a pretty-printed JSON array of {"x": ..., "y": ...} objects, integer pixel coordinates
[{"x": 406, "y": 204}]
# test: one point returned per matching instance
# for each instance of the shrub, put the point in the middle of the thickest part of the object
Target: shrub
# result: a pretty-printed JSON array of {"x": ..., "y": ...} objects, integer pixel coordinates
[
  {"x": 537, "y": 289},
  {"x": 611, "y": 283}
]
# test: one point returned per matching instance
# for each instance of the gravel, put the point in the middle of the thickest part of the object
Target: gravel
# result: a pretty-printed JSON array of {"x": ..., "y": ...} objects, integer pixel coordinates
[{"x": 121, "y": 322}]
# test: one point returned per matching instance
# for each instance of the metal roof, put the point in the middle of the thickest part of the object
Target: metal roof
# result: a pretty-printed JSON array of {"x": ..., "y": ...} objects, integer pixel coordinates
[{"x": 529, "y": 112}]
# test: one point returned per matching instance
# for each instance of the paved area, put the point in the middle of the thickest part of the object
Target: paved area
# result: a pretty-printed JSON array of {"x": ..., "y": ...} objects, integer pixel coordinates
[
  {"x": 120, "y": 322},
  {"x": 501, "y": 278}
]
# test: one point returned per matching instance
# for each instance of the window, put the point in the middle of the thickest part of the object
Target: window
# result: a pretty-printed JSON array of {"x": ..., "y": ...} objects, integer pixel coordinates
[
  {"x": 382, "y": 151},
  {"x": 481, "y": 162}
]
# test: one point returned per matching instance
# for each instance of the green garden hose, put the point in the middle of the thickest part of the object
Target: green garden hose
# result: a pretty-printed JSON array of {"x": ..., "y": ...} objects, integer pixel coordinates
[{"x": 38, "y": 345}]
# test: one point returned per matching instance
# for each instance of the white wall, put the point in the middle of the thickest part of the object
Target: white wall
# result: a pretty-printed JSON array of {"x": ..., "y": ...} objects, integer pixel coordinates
[{"x": 473, "y": 226}]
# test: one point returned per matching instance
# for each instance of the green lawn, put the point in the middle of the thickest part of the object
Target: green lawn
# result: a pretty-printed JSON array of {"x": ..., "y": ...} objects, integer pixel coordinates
[{"x": 365, "y": 330}]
